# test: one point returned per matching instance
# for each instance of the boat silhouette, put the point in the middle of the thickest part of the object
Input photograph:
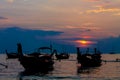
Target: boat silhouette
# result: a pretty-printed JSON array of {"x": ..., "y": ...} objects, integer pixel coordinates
[
  {"x": 62, "y": 56},
  {"x": 89, "y": 60},
  {"x": 39, "y": 63},
  {"x": 11, "y": 55}
]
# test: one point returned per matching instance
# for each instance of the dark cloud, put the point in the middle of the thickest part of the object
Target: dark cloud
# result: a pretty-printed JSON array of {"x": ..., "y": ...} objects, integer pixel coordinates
[
  {"x": 16, "y": 30},
  {"x": 3, "y": 17},
  {"x": 106, "y": 45},
  {"x": 9, "y": 37},
  {"x": 88, "y": 30}
]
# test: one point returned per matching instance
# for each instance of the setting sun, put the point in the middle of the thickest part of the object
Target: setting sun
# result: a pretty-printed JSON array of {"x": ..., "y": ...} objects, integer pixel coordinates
[{"x": 84, "y": 43}]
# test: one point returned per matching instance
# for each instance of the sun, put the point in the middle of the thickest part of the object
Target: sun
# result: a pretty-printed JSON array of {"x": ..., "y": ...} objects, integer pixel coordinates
[{"x": 84, "y": 43}]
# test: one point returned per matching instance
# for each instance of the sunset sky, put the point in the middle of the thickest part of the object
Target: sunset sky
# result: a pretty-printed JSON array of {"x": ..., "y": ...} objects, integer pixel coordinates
[{"x": 79, "y": 20}]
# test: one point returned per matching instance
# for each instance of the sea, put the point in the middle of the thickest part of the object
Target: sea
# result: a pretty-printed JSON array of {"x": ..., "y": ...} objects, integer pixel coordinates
[{"x": 63, "y": 70}]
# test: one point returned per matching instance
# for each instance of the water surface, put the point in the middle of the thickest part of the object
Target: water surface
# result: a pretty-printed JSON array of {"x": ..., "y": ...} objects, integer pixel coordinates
[{"x": 63, "y": 70}]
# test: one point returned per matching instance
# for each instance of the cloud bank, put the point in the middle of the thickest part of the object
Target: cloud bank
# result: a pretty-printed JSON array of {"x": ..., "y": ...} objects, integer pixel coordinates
[{"x": 2, "y": 18}]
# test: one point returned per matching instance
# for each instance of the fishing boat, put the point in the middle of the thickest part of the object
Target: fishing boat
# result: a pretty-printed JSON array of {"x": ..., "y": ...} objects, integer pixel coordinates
[
  {"x": 11, "y": 55},
  {"x": 39, "y": 63},
  {"x": 112, "y": 52},
  {"x": 62, "y": 56},
  {"x": 89, "y": 60}
]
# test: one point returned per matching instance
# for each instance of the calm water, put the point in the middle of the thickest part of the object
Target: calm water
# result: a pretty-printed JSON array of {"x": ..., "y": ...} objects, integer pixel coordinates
[{"x": 63, "y": 70}]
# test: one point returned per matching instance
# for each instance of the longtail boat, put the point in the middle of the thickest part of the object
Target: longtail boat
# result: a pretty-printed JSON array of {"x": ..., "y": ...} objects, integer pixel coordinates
[
  {"x": 89, "y": 60},
  {"x": 40, "y": 63}
]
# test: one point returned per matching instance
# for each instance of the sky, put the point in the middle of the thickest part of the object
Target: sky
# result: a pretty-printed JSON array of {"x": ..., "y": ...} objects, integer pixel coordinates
[{"x": 83, "y": 23}]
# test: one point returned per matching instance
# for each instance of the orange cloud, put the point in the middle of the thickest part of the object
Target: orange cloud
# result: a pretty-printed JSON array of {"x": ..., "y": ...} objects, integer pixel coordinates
[
  {"x": 101, "y": 9},
  {"x": 10, "y": 1},
  {"x": 90, "y": 26},
  {"x": 92, "y": 0},
  {"x": 117, "y": 14}
]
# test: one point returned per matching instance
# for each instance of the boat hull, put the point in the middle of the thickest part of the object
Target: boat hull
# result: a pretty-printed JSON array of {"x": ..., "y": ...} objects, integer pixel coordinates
[
  {"x": 37, "y": 64},
  {"x": 12, "y": 55}
]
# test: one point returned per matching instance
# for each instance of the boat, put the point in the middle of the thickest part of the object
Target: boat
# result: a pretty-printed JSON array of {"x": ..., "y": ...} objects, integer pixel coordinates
[
  {"x": 89, "y": 60},
  {"x": 39, "y": 63},
  {"x": 11, "y": 55},
  {"x": 62, "y": 56},
  {"x": 112, "y": 52}
]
